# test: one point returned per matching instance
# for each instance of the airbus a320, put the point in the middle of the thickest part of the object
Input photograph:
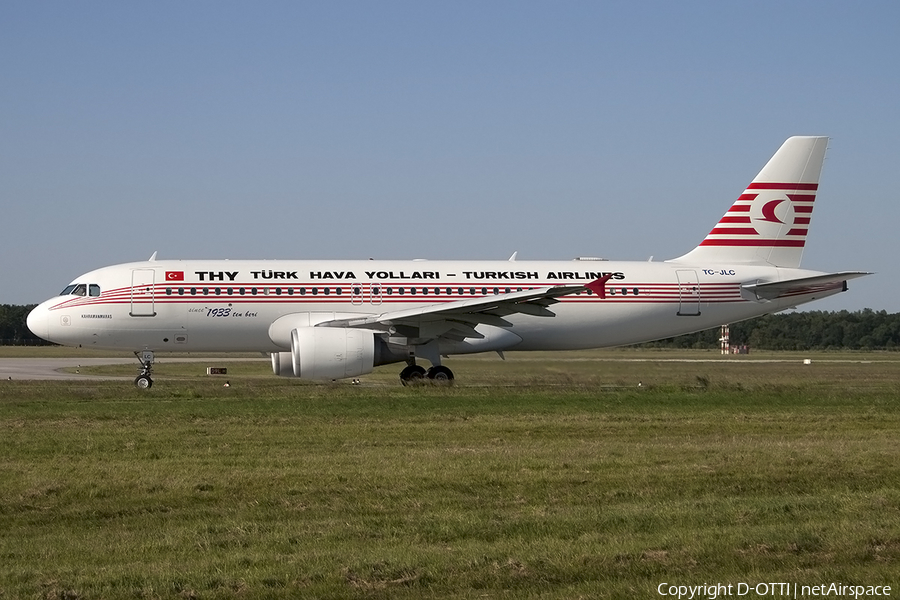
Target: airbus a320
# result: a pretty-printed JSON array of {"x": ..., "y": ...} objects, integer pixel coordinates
[{"x": 335, "y": 319}]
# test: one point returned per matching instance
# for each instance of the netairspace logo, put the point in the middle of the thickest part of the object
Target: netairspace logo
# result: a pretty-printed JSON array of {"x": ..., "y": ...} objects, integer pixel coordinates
[{"x": 771, "y": 590}]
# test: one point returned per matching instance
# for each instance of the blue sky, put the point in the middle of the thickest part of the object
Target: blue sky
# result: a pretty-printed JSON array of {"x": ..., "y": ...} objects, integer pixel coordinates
[{"x": 435, "y": 130}]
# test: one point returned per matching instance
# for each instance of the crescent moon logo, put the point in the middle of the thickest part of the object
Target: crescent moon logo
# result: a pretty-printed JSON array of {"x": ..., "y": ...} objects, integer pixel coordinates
[{"x": 768, "y": 211}]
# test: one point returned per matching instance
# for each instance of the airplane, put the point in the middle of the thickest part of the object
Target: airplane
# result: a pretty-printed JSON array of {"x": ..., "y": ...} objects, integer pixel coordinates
[{"x": 336, "y": 319}]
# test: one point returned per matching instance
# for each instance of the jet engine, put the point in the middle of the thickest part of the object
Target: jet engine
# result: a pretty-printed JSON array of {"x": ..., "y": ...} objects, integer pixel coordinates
[
  {"x": 282, "y": 364},
  {"x": 326, "y": 353}
]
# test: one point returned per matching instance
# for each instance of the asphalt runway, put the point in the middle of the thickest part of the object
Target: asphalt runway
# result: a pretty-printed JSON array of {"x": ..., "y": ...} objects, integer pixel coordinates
[{"x": 51, "y": 368}]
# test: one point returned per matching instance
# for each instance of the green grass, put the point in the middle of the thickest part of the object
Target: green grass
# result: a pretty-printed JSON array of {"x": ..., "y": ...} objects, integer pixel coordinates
[{"x": 552, "y": 478}]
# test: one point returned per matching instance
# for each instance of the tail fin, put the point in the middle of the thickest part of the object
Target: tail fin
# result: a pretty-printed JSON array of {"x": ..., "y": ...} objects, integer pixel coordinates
[{"x": 768, "y": 223}]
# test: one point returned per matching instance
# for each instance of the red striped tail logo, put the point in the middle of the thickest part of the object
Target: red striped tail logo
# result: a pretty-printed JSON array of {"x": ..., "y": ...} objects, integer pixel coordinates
[
  {"x": 768, "y": 223},
  {"x": 769, "y": 215}
]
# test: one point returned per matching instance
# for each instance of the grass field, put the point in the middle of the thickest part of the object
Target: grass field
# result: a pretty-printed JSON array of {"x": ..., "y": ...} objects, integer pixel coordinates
[{"x": 551, "y": 476}]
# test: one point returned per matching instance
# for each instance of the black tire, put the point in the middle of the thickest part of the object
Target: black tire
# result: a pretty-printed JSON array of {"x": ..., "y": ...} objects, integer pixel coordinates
[
  {"x": 143, "y": 382},
  {"x": 412, "y": 375},
  {"x": 440, "y": 374}
]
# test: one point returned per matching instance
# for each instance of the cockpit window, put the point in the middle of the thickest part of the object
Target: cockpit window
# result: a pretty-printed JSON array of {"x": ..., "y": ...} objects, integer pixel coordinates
[{"x": 80, "y": 289}]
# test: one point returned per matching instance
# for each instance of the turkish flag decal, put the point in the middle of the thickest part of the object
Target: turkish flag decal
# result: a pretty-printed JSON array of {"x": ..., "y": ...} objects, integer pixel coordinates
[{"x": 174, "y": 275}]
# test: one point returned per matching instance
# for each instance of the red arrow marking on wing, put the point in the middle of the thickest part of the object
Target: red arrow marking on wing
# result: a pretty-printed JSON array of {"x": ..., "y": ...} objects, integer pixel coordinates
[{"x": 598, "y": 286}]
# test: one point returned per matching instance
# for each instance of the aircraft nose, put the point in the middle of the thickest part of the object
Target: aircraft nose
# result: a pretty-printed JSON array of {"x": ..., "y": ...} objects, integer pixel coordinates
[{"x": 38, "y": 322}]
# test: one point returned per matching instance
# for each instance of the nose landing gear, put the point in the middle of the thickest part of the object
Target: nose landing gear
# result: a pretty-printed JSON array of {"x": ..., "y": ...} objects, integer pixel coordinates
[{"x": 144, "y": 381}]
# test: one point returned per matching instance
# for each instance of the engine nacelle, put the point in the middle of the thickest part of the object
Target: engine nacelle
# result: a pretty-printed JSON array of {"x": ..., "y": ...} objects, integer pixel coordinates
[
  {"x": 283, "y": 364},
  {"x": 327, "y": 353}
]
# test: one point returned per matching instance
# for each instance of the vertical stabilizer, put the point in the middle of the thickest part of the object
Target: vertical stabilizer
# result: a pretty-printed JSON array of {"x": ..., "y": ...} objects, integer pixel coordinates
[{"x": 768, "y": 223}]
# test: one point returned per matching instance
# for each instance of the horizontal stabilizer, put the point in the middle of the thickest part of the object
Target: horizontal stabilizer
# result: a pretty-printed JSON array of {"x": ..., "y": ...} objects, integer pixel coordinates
[{"x": 799, "y": 287}]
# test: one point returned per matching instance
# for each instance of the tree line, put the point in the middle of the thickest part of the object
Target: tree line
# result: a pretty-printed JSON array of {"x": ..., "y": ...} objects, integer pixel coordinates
[
  {"x": 13, "y": 330},
  {"x": 815, "y": 330}
]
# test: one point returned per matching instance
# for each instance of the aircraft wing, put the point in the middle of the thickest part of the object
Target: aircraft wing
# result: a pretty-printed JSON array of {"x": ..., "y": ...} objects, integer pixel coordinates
[
  {"x": 457, "y": 320},
  {"x": 796, "y": 287}
]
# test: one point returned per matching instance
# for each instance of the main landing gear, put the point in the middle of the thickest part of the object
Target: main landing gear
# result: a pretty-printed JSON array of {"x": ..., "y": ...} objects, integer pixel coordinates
[
  {"x": 415, "y": 374},
  {"x": 143, "y": 381}
]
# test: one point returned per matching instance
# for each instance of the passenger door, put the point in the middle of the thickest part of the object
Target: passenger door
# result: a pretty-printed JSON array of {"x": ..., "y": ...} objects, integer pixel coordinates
[
  {"x": 688, "y": 293},
  {"x": 142, "y": 293}
]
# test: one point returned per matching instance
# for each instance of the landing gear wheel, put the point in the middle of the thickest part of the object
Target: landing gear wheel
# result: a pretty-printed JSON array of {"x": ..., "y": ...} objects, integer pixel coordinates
[
  {"x": 143, "y": 380},
  {"x": 440, "y": 374},
  {"x": 412, "y": 375}
]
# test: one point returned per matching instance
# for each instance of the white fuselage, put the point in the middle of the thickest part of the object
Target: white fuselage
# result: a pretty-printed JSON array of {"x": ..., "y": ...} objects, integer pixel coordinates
[
  {"x": 223, "y": 305},
  {"x": 339, "y": 319}
]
